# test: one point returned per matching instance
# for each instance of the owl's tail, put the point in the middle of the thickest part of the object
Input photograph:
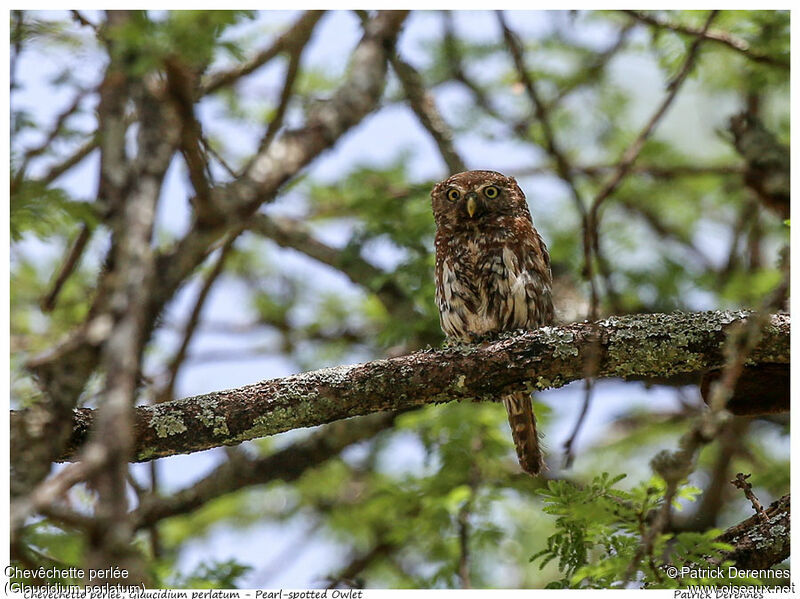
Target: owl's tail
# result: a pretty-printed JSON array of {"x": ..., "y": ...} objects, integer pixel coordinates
[{"x": 523, "y": 431}]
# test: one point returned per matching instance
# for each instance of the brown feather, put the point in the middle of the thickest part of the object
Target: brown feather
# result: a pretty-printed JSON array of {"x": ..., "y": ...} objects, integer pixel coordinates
[
  {"x": 492, "y": 275},
  {"x": 523, "y": 431}
]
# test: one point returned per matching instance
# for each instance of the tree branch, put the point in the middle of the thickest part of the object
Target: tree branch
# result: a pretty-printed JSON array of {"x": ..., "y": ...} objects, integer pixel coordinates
[
  {"x": 720, "y": 37},
  {"x": 767, "y": 162},
  {"x": 64, "y": 370},
  {"x": 760, "y": 541},
  {"x": 640, "y": 346},
  {"x": 286, "y": 465},
  {"x": 296, "y": 235},
  {"x": 301, "y": 29},
  {"x": 632, "y": 153},
  {"x": 422, "y": 103}
]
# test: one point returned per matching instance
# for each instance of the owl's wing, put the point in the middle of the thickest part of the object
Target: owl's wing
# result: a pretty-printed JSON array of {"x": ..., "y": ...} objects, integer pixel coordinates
[{"x": 528, "y": 296}]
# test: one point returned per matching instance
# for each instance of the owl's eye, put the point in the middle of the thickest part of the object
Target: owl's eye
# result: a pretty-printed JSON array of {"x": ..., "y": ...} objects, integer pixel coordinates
[
  {"x": 491, "y": 192},
  {"x": 453, "y": 195}
]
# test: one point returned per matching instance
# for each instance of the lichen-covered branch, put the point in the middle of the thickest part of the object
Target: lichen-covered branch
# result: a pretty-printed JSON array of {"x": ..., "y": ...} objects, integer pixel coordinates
[
  {"x": 639, "y": 346},
  {"x": 761, "y": 541}
]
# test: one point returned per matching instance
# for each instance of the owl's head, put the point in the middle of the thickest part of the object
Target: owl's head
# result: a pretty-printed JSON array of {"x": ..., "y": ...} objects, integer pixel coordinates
[{"x": 477, "y": 197}]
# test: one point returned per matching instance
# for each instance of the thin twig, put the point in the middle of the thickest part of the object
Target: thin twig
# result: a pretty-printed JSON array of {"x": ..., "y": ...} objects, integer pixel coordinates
[
  {"x": 651, "y": 170},
  {"x": 294, "y": 234},
  {"x": 155, "y": 537},
  {"x": 301, "y": 27},
  {"x": 77, "y": 16},
  {"x": 347, "y": 577},
  {"x": 48, "y": 302},
  {"x": 214, "y": 154},
  {"x": 65, "y": 516},
  {"x": 166, "y": 394},
  {"x": 58, "y": 169},
  {"x": 51, "y": 489},
  {"x": 457, "y": 67},
  {"x": 463, "y": 544},
  {"x": 569, "y": 456},
  {"x": 17, "y": 35},
  {"x": 292, "y": 70},
  {"x": 740, "y": 482},
  {"x": 632, "y": 152},
  {"x": 663, "y": 230},
  {"x": 422, "y": 103},
  {"x": 56, "y": 130},
  {"x": 180, "y": 86},
  {"x": 563, "y": 166},
  {"x": 464, "y": 514},
  {"x": 295, "y": 45},
  {"x": 591, "y": 72},
  {"x": 720, "y": 37}
]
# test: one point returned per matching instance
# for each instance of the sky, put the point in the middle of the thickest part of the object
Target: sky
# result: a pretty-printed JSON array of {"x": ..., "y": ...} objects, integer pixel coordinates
[{"x": 376, "y": 141}]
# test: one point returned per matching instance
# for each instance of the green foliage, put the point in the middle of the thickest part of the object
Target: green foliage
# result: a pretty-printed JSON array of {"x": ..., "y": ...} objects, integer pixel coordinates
[
  {"x": 212, "y": 575},
  {"x": 599, "y": 531},
  {"x": 56, "y": 547},
  {"x": 192, "y": 35},
  {"x": 391, "y": 211},
  {"x": 46, "y": 211},
  {"x": 441, "y": 489}
]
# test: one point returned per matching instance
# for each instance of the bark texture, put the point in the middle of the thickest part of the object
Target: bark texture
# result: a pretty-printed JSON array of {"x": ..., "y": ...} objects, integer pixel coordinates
[
  {"x": 637, "y": 347},
  {"x": 761, "y": 541}
]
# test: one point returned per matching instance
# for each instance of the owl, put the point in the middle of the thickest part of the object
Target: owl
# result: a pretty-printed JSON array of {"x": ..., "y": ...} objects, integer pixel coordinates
[{"x": 492, "y": 274}]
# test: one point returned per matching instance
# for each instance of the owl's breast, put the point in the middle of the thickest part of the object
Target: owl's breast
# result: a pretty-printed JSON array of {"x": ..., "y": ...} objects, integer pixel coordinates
[{"x": 484, "y": 288}]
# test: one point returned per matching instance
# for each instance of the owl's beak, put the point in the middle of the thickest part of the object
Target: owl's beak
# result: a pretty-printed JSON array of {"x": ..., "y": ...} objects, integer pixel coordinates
[{"x": 472, "y": 205}]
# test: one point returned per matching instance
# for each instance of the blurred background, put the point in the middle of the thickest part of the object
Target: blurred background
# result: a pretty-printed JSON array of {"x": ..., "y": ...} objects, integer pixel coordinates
[{"x": 339, "y": 270}]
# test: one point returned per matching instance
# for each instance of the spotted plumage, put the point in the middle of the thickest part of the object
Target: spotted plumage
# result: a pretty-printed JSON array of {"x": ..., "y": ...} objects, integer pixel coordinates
[{"x": 492, "y": 275}]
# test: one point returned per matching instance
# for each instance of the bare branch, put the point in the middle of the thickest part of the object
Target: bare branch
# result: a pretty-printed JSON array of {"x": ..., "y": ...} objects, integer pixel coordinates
[
  {"x": 73, "y": 257},
  {"x": 632, "y": 153},
  {"x": 423, "y": 105},
  {"x": 302, "y": 28},
  {"x": 720, "y": 37},
  {"x": 294, "y": 234},
  {"x": 285, "y": 465},
  {"x": 740, "y": 482}
]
